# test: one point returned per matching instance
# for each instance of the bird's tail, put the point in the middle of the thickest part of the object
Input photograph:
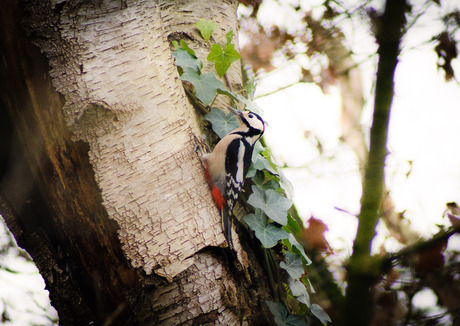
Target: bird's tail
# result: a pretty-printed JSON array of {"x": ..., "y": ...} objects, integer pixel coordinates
[{"x": 227, "y": 220}]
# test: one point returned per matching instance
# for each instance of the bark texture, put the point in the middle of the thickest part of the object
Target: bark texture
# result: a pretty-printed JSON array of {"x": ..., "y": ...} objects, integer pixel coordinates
[{"x": 100, "y": 182}]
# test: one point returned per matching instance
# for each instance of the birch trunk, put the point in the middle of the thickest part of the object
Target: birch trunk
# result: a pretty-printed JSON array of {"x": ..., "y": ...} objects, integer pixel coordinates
[{"x": 100, "y": 182}]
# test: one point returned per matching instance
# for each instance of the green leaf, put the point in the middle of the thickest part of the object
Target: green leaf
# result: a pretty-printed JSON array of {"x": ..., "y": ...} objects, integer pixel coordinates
[
  {"x": 205, "y": 27},
  {"x": 222, "y": 123},
  {"x": 305, "y": 299},
  {"x": 206, "y": 85},
  {"x": 297, "y": 287},
  {"x": 293, "y": 225},
  {"x": 185, "y": 60},
  {"x": 286, "y": 185},
  {"x": 226, "y": 92},
  {"x": 249, "y": 105},
  {"x": 278, "y": 310},
  {"x": 320, "y": 314},
  {"x": 268, "y": 234},
  {"x": 271, "y": 203},
  {"x": 229, "y": 36},
  {"x": 187, "y": 48},
  {"x": 265, "y": 185},
  {"x": 223, "y": 57},
  {"x": 282, "y": 317},
  {"x": 261, "y": 163},
  {"x": 297, "y": 247},
  {"x": 299, "y": 291},
  {"x": 312, "y": 290},
  {"x": 293, "y": 265}
]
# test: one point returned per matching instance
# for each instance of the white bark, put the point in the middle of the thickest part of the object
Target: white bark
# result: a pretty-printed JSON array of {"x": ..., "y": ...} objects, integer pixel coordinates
[{"x": 125, "y": 99}]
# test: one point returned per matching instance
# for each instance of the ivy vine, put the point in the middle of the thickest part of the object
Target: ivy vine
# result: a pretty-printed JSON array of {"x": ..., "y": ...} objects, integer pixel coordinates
[{"x": 270, "y": 198}]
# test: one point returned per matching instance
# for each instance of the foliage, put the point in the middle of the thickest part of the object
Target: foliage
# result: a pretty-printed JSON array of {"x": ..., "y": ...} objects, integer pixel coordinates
[{"x": 269, "y": 217}]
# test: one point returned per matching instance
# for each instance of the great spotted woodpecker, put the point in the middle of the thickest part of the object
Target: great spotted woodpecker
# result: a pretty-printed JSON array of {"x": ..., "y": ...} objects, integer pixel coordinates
[{"x": 227, "y": 165}]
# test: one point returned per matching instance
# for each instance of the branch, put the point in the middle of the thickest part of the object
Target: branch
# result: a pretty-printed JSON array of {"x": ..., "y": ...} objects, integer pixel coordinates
[
  {"x": 364, "y": 270},
  {"x": 438, "y": 238}
]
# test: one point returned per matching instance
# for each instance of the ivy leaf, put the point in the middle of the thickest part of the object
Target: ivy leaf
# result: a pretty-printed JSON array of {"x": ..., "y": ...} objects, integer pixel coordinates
[
  {"x": 226, "y": 92},
  {"x": 305, "y": 299},
  {"x": 186, "y": 60},
  {"x": 265, "y": 185},
  {"x": 286, "y": 185},
  {"x": 249, "y": 105},
  {"x": 299, "y": 291},
  {"x": 297, "y": 247},
  {"x": 282, "y": 317},
  {"x": 268, "y": 234},
  {"x": 293, "y": 265},
  {"x": 206, "y": 28},
  {"x": 222, "y": 123},
  {"x": 229, "y": 36},
  {"x": 293, "y": 225},
  {"x": 206, "y": 85},
  {"x": 312, "y": 290},
  {"x": 320, "y": 314},
  {"x": 223, "y": 57},
  {"x": 271, "y": 203},
  {"x": 261, "y": 163},
  {"x": 278, "y": 310},
  {"x": 187, "y": 48},
  {"x": 297, "y": 287}
]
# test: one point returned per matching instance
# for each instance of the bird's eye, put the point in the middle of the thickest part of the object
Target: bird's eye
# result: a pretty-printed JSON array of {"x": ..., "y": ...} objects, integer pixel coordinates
[{"x": 250, "y": 115}]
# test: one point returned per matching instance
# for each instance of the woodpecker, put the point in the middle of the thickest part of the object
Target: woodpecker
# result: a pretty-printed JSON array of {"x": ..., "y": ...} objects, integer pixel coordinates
[{"x": 227, "y": 165}]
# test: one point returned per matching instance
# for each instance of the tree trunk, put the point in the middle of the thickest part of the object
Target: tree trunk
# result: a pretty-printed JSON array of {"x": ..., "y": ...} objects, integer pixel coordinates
[{"x": 100, "y": 182}]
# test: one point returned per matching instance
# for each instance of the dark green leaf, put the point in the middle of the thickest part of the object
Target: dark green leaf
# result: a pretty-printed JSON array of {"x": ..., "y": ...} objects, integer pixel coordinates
[
  {"x": 293, "y": 265},
  {"x": 222, "y": 123},
  {"x": 295, "y": 320},
  {"x": 320, "y": 314},
  {"x": 268, "y": 234},
  {"x": 223, "y": 57},
  {"x": 271, "y": 203},
  {"x": 278, "y": 310},
  {"x": 206, "y": 85},
  {"x": 205, "y": 27},
  {"x": 185, "y": 60}
]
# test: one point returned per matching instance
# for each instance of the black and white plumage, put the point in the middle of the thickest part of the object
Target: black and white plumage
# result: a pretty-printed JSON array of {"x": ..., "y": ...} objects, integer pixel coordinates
[{"x": 228, "y": 164}]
